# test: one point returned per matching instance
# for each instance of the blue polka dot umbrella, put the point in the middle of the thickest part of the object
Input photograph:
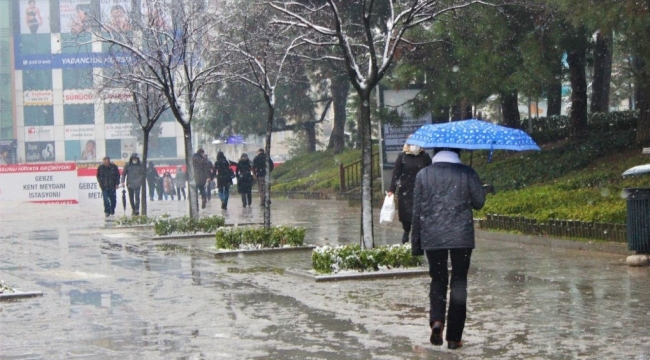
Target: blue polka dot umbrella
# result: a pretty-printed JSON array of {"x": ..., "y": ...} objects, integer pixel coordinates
[{"x": 472, "y": 135}]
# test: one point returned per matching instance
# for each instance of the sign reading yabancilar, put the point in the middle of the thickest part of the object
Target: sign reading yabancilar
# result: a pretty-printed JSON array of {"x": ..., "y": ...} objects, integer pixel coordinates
[{"x": 41, "y": 183}]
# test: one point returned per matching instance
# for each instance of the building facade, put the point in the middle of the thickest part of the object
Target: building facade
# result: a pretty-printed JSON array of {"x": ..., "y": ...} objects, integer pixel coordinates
[{"x": 49, "y": 111}]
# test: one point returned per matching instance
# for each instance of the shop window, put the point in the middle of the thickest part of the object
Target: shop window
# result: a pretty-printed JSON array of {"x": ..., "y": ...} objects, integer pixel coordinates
[
  {"x": 37, "y": 79},
  {"x": 78, "y": 114},
  {"x": 39, "y": 115}
]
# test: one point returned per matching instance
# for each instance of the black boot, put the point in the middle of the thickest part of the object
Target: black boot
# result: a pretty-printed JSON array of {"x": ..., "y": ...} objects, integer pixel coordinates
[{"x": 405, "y": 238}]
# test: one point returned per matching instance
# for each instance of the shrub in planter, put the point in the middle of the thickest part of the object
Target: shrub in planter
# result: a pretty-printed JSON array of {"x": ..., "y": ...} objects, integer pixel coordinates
[
  {"x": 328, "y": 259},
  {"x": 166, "y": 225},
  {"x": 134, "y": 220},
  {"x": 259, "y": 238}
]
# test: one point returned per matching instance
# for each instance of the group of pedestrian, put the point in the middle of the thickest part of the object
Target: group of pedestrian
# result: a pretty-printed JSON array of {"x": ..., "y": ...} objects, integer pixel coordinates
[
  {"x": 435, "y": 202},
  {"x": 246, "y": 173},
  {"x": 166, "y": 186}
]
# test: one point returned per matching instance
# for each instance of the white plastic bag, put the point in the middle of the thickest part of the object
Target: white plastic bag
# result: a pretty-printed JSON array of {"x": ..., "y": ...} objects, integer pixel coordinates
[{"x": 387, "y": 210}]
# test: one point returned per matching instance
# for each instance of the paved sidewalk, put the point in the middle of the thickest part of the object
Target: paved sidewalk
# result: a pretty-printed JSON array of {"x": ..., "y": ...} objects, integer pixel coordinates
[{"x": 109, "y": 294}]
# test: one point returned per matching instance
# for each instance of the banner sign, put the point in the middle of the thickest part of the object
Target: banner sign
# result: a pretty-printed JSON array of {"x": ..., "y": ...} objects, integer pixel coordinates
[
  {"x": 90, "y": 96},
  {"x": 44, "y": 183},
  {"x": 37, "y": 97},
  {"x": 68, "y": 60},
  {"x": 39, "y": 151},
  {"x": 118, "y": 131},
  {"x": 39, "y": 133},
  {"x": 89, "y": 191},
  {"x": 79, "y": 132}
]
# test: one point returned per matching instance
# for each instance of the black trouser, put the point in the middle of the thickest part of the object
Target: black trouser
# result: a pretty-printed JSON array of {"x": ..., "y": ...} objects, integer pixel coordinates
[
  {"x": 134, "y": 199},
  {"x": 246, "y": 198},
  {"x": 406, "y": 225},
  {"x": 200, "y": 189},
  {"x": 180, "y": 190},
  {"x": 460, "y": 259},
  {"x": 152, "y": 188}
]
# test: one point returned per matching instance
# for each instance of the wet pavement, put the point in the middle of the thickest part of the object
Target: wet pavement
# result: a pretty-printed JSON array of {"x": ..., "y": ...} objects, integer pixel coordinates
[{"x": 115, "y": 294}]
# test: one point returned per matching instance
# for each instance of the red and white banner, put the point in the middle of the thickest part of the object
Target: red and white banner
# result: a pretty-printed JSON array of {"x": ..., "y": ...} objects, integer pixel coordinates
[{"x": 41, "y": 183}]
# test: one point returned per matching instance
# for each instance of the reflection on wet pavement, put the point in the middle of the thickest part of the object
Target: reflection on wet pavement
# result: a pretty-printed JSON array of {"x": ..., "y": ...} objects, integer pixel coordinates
[{"x": 114, "y": 294}]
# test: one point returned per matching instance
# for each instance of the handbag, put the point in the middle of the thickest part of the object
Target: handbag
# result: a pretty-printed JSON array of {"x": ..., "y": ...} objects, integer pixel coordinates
[{"x": 387, "y": 210}]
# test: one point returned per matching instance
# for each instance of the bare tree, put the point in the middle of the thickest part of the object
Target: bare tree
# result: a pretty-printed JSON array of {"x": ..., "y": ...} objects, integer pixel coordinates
[
  {"x": 171, "y": 48},
  {"x": 145, "y": 104},
  {"x": 261, "y": 55},
  {"x": 365, "y": 38}
]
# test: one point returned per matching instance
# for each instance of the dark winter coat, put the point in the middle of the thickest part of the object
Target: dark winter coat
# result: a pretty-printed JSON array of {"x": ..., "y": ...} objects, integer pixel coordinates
[
  {"x": 224, "y": 173},
  {"x": 134, "y": 174},
  {"x": 152, "y": 176},
  {"x": 258, "y": 165},
  {"x": 244, "y": 176},
  {"x": 406, "y": 168},
  {"x": 445, "y": 194},
  {"x": 201, "y": 169},
  {"x": 108, "y": 176}
]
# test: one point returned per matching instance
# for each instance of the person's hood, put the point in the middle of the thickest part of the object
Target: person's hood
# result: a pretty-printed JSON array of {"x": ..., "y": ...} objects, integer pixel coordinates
[{"x": 446, "y": 156}]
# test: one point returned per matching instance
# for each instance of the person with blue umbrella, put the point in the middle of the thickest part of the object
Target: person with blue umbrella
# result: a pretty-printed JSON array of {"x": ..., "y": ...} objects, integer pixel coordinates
[
  {"x": 409, "y": 162},
  {"x": 444, "y": 196}
]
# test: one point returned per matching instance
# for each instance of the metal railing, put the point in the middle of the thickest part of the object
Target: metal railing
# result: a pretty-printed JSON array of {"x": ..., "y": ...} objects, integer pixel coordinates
[{"x": 350, "y": 175}]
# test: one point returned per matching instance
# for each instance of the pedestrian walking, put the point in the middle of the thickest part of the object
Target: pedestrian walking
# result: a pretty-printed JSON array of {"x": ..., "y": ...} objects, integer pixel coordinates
[
  {"x": 245, "y": 179},
  {"x": 108, "y": 177},
  {"x": 201, "y": 174},
  {"x": 152, "y": 179},
  {"x": 169, "y": 190},
  {"x": 181, "y": 179},
  {"x": 224, "y": 175},
  {"x": 443, "y": 226},
  {"x": 259, "y": 170},
  {"x": 210, "y": 184},
  {"x": 409, "y": 162},
  {"x": 134, "y": 174}
]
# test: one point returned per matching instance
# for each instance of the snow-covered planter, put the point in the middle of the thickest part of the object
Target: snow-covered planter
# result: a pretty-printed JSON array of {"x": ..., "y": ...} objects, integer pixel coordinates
[
  {"x": 134, "y": 220},
  {"x": 252, "y": 238},
  {"x": 327, "y": 259},
  {"x": 5, "y": 289},
  {"x": 165, "y": 225}
]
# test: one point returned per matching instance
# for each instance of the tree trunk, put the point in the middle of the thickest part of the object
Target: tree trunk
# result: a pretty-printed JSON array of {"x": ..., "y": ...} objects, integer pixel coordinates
[
  {"x": 310, "y": 129},
  {"x": 365, "y": 135},
  {"x": 602, "y": 73},
  {"x": 554, "y": 90},
  {"x": 340, "y": 88},
  {"x": 456, "y": 113},
  {"x": 642, "y": 99},
  {"x": 465, "y": 110},
  {"x": 145, "y": 155},
  {"x": 578, "y": 119},
  {"x": 510, "y": 109},
  {"x": 192, "y": 195},
  {"x": 442, "y": 116},
  {"x": 267, "y": 177}
]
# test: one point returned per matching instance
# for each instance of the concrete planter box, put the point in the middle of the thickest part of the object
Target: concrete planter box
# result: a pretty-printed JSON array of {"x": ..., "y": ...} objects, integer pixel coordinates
[
  {"x": 367, "y": 275},
  {"x": 220, "y": 254},
  {"x": 20, "y": 295}
]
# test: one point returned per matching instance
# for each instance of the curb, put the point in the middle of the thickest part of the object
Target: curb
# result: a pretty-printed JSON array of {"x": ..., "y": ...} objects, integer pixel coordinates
[
  {"x": 393, "y": 274},
  {"x": 220, "y": 254},
  {"x": 20, "y": 295},
  {"x": 591, "y": 246}
]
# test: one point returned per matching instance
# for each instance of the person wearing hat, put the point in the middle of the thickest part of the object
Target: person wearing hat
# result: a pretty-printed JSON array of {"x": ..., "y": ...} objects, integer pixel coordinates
[
  {"x": 134, "y": 175},
  {"x": 260, "y": 172}
]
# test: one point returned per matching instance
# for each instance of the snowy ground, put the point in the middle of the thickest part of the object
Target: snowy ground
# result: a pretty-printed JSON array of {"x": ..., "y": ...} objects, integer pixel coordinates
[{"x": 109, "y": 294}]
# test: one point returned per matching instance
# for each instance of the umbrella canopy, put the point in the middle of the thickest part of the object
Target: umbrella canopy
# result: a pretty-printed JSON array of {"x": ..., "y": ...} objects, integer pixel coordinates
[
  {"x": 637, "y": 170},
  {"x": 472, "y": 135}
]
